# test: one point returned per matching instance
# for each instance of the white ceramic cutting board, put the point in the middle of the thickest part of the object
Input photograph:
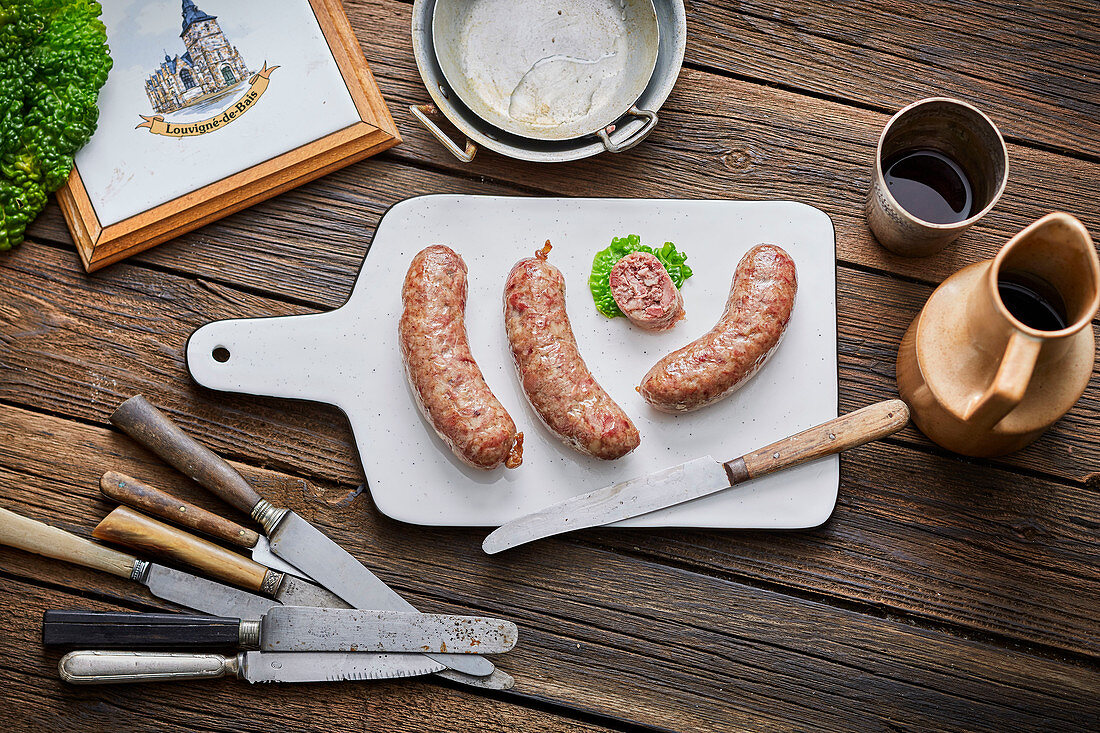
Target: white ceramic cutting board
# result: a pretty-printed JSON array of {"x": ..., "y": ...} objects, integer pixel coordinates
[{"x": 349, "y": 357}]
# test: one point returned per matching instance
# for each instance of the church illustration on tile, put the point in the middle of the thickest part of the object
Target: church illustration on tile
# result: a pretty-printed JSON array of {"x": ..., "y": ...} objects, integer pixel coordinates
[{"x": 210, "y": 67}]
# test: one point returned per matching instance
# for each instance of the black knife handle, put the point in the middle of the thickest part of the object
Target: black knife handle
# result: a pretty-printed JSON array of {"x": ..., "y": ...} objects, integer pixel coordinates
[
  {"x": 153, "y": 429},
  {"x": 112, "y": 630}
]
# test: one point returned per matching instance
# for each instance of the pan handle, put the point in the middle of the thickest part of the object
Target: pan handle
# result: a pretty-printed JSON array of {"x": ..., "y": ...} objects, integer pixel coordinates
[
  {"x": 421, "y": 112},
  {"x": 637, "y": 137}
]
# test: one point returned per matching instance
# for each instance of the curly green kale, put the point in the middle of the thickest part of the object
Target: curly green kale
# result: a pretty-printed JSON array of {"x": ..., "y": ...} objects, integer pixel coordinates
[
  {"x": 53, "y": 61},
  {"x": 599, "y": 281}
]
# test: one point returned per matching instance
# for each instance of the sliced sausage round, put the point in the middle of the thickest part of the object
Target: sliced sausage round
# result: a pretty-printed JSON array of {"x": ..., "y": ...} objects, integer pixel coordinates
[
  {"x": 645, "y": 293},
  {"x": 554, "y": 376},
  {"x": 722, "y": 360},
  {"x": 448, "y": 384}
]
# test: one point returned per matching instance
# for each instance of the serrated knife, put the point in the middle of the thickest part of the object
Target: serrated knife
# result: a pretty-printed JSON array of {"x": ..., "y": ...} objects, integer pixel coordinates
[
  {"x": 700, "y": 477},
  {"x": 283, "y": 629},
  {"x": 199, "y": 594},
  {"x": 109, "y": 667},
  {"x": 151, "y": 500},
  {"x": 291, "y": 537}
]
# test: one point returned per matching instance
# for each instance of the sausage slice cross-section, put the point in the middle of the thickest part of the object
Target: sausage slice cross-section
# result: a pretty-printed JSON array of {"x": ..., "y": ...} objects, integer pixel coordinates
[{"x": 645, "y": 293}]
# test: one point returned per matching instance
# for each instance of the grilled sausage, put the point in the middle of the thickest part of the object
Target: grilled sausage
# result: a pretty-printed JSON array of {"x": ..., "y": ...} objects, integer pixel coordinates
[
  {"x": 551, "y": 370},
  {"x": 718, "y": 363},
  {"x": 645, "y": 293},
  {"x": 449, "y": 387}
]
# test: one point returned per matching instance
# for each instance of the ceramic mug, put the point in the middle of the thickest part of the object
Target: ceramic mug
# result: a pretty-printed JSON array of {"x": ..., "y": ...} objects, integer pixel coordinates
[{"x": 962, "y": 133}]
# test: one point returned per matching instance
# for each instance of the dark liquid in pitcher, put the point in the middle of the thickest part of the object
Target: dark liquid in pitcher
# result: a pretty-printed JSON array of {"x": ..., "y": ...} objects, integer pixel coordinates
[
  {"x": 1032, "y": 301},
  {"x": 929, "y": 185}
]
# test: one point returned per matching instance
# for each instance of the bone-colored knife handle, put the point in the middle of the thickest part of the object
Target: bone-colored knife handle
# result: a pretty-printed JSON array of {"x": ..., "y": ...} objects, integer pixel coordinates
[
  {"x": 102, "y": 668},
  {"x": 42, "y": 539},
  {"x": 127, "y": 527},
  {"x": 153, "y": 429},
  {"x": 839, "y": 434},
  {"x": 139, "y": 495}
]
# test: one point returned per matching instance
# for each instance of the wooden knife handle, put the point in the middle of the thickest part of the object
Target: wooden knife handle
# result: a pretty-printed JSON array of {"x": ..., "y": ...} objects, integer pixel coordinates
[
  {"x": 153, "y": 429},
  {"x": 127, "y": 490},
  {"x": 839, "y": 434},
  {"x": 127, "y": 527},
  {"x": 42, "y": 539},
  {"x": 114, "y": 630}
]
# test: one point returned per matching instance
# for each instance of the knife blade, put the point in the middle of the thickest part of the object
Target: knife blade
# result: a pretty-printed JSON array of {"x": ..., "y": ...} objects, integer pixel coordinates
[
  {"x": 140, "y": 495},
  {"x": 107, "y": 667},
  {"x": 291, "y": 537},
  {"x": 698, "y": 478},
  {"x": 172, "y": 585},
  {"x": 189, "y": 591},
  {"x": 283, "y": 629},
  {"x": 126, "y": 527}
]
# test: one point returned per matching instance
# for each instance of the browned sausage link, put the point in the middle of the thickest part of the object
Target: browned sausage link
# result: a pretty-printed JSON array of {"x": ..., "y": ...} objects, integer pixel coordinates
[
  {"x": 554, "y": 376},
  {"x": 718, "y": 363},
  {"x": 449, "y": 387}
]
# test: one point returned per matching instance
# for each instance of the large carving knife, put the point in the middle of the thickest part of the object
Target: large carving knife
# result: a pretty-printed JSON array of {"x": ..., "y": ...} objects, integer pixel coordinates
[
  {"x": 698, "y": 478},
  {"x": 151, "y": 500},
  {"x": 291, "y": 537},
  {"x": 283, "y": 629},
  {"x": 124, "y": 526}
]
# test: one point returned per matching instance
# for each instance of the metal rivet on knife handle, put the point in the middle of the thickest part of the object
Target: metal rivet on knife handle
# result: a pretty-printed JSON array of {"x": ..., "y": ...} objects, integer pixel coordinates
[
  {"x": 839, "y": 434},
  {"x": 139, "y": 495},
  {"x": 33, "y": 536},
  {"x": 153, "y": 429},
  {"x": 127, "y": 527}
]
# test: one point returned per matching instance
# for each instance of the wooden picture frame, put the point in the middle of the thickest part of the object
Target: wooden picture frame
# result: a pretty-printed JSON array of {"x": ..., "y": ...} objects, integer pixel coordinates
[{"x": 375, "y": 131}]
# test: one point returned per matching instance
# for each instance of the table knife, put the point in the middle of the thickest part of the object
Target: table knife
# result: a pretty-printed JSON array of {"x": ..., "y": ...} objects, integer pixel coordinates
[
  {"x": 106, "y": 667},
  {"x": 139, "y": 495},
  {"x": 172, "y": 585},
  {"x": 283, "y": 629},
  {"x": 126, "y": 527},
  {"x": 189, "y": 591},
  {"x": 291, "y": 537},
  {"x": 698, "y": 478}
]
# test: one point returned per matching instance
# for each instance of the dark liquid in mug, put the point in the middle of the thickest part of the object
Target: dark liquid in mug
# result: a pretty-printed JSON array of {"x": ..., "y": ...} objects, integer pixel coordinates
[
  {"x": 929, "y": 185},
  {"x": 1032, "y": 301}
]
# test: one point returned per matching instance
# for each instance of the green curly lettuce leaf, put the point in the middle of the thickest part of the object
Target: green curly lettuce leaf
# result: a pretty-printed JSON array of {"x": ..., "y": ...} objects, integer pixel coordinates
[
  {"x": 53, "y": 61},
  {"x": 599, "y": 281}
]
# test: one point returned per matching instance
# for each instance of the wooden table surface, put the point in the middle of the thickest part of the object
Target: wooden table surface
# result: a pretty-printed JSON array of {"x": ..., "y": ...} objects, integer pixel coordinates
[{"x": 944, "y": 594}]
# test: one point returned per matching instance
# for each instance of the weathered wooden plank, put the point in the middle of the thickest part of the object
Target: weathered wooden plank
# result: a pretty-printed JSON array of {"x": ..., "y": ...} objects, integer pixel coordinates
[
  {"x": 949, "y": 541},
  {"x": 36, "y": 700},
  {"x": 607, "y": 638},
  {"x": 55, "y": 334},
  {"x": 719, "y": 137},
  {"x": 725, "y": 138},
  {"x": 1031, "y": 65}
]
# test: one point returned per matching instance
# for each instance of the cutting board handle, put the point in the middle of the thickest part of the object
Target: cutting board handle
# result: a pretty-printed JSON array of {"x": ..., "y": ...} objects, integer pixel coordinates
[{"x": 301, "y": 357}]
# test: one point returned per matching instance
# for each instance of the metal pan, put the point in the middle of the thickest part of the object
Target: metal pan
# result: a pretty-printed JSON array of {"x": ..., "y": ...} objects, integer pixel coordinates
[
  {"x": 548, "y": 71},
  {"x": 622, "y": 134}
]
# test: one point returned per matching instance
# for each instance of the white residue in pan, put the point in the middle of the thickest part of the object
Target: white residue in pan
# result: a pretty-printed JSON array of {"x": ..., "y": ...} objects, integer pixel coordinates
[
  {"x": 560, "y": 88},
  {"x": 552, "y": 65}
]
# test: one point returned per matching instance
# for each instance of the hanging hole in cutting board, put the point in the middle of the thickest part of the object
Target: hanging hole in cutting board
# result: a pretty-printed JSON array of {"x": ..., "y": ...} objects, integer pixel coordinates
[{"x": 220, "y": 354}]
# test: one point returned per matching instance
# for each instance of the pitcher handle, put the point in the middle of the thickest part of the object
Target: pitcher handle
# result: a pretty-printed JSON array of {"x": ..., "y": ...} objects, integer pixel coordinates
[{"x": 1009, "y": 384}]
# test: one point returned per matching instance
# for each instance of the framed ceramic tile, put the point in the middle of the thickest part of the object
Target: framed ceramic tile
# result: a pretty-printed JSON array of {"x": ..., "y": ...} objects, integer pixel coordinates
[{"x": 210, "y": 109}]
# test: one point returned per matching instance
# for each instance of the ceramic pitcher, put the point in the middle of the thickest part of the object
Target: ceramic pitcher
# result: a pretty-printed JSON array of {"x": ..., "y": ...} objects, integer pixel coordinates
[{"x": 978, "y": 380}]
